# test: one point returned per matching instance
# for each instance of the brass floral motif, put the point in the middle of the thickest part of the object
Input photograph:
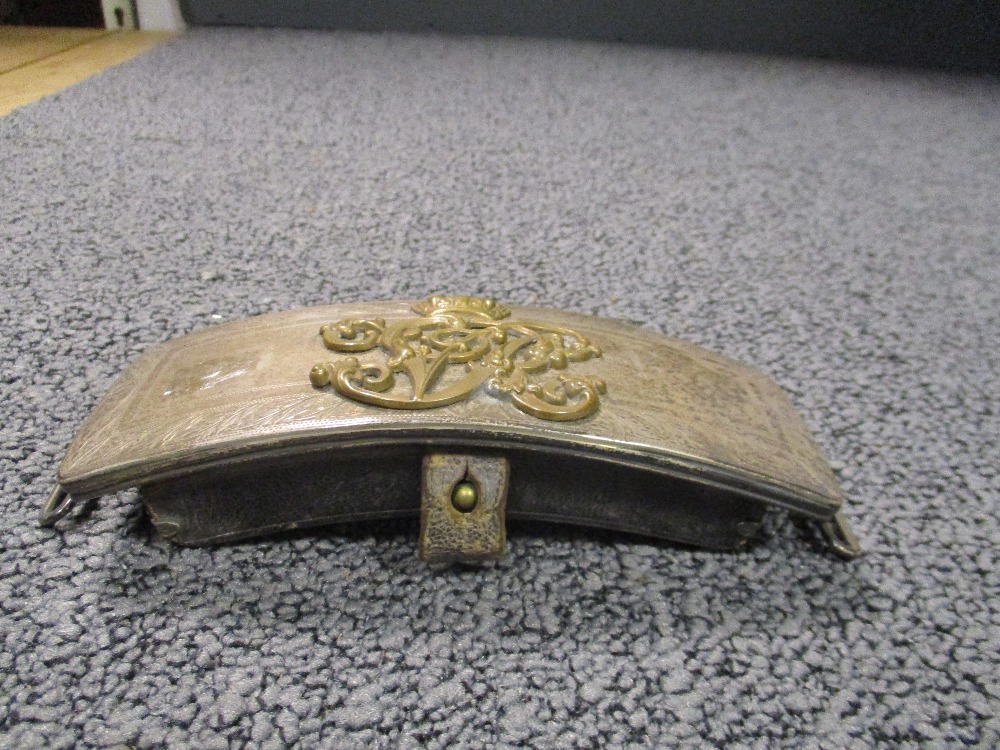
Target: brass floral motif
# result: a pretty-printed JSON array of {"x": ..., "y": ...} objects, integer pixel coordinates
[{"x": 473, "y": 335}]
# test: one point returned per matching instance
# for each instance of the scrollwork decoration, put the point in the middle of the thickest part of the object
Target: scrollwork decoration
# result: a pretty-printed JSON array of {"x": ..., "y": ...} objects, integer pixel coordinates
[{"x": 472, "y": 333}]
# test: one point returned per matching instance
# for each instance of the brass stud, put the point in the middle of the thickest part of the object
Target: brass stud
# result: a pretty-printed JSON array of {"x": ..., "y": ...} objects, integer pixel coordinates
[
  {"x": 464, "y": 497},
  {"x": 319, "y": 376}
]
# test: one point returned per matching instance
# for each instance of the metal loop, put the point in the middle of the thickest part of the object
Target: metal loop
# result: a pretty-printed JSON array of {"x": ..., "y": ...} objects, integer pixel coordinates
[
  {"x": 840, "y": 538},
  {"x": 58, "y": 505}
]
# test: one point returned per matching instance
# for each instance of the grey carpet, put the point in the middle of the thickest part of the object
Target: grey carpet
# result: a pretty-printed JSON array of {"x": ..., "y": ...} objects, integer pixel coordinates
[{"x": 836, "y": 226}]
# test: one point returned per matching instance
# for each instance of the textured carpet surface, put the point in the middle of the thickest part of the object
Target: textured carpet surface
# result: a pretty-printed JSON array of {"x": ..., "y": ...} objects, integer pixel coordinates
[{"x": 836, "y": 226}]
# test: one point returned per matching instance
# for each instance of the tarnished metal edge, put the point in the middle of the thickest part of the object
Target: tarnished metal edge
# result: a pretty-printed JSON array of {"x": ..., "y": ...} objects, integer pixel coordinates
[{"x": 795, "y": 499}]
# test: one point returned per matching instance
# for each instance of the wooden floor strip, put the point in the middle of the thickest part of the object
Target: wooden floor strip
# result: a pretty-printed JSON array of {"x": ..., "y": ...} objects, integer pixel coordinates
[
  {"x": 20, "y": 45},
  {"x": 55, "y": 69}
]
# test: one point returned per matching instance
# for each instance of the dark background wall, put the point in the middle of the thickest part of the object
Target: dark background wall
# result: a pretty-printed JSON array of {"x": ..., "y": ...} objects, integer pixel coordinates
[
  {"x": 948, "y": 34},
  {"x": 83, "y": 13}
]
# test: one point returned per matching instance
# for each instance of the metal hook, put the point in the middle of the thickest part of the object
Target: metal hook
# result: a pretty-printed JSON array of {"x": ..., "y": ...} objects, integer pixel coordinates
[
  {"x": 58, "y": 505},
  {"x": 840, "y": 538}
]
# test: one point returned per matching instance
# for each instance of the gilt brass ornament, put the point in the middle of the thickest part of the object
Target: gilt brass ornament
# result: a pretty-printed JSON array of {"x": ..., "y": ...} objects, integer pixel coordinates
[{"x": 459, "y": 345}]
